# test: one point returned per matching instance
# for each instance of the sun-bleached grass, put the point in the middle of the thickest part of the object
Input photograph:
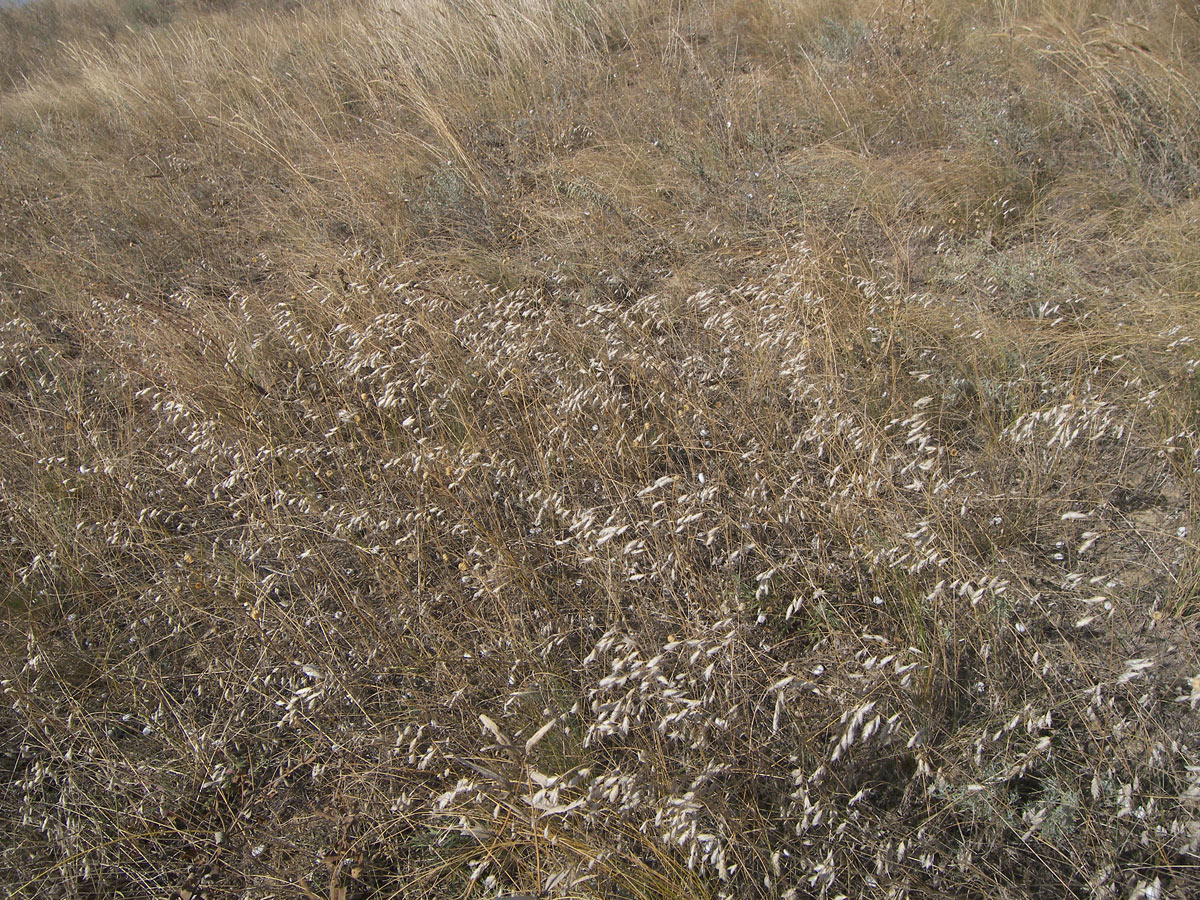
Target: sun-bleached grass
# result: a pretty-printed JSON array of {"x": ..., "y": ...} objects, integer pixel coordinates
[
  {"x": 40, "y": 39},
  {"x": 611, "y": 450}
]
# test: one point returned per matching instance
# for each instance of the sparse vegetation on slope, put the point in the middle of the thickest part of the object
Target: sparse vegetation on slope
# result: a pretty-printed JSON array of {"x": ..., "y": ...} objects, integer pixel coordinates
[{"x": 621, "y": 450}]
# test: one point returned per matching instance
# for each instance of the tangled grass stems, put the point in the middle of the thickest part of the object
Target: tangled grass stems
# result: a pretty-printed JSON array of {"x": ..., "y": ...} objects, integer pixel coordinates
[{"x": 600, "y": 450}]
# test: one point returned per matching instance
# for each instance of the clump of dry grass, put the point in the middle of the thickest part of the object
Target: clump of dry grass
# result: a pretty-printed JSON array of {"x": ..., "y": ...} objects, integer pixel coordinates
[
  {"x": 38, "y": 38},
  {"x": 612, "y": 450}
]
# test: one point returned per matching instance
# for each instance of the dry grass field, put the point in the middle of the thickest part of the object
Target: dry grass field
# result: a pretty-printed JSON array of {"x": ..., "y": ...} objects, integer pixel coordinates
[{"x": 600, "y": 449}]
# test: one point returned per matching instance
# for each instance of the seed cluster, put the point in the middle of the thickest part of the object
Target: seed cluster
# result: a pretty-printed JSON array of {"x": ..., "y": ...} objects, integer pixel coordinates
[{"x": 547, "y": 587}]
